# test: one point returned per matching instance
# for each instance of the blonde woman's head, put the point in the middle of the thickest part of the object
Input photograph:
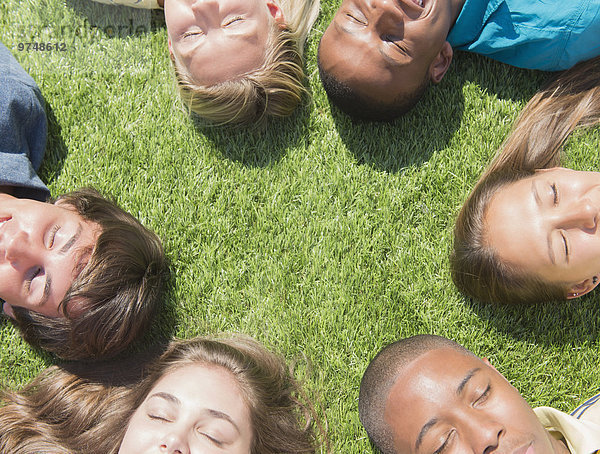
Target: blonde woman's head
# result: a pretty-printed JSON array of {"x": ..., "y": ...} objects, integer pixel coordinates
[{"x": 239, "y": 61}]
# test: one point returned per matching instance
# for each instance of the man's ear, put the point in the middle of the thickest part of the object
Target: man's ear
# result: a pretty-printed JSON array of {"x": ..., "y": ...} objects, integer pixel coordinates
[
  {"x": 487, "y": 361},
  {"x": 582, "y": 288},
  {"x": 441, "y": 63}
]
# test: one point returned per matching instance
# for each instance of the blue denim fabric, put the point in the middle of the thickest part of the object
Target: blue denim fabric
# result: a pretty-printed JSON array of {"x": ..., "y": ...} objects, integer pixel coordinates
[{"x": 23, "y": 130}]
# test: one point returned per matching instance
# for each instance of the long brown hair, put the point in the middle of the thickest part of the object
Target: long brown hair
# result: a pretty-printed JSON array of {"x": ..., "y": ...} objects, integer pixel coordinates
[
  {"x": 117, "y": 293},
  {"x": 60, "y": 412},
  {"x": 571, "y": 101}
]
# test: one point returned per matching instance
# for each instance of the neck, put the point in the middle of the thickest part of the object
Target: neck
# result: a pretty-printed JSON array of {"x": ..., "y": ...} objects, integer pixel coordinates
[
  {"x": 560, "y": 446},
  {"x": 456, "y": 7}
]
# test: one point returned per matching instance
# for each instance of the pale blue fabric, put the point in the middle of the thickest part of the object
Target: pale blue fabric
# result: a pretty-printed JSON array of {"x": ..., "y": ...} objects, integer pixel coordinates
[
  {"x": 23, "y": 130},
  {"x": 550, "y": 35}
]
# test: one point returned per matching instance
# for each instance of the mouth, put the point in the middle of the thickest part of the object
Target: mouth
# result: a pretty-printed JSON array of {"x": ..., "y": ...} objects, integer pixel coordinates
[{"x": 419, "y": 3}]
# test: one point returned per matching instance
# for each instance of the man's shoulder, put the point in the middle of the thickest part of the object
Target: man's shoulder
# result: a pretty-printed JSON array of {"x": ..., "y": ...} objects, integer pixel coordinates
[{"x": 589, "y": 410}]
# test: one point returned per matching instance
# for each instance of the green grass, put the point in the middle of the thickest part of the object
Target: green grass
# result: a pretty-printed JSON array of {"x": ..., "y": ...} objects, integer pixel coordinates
[{"x": 323, "y": 239}]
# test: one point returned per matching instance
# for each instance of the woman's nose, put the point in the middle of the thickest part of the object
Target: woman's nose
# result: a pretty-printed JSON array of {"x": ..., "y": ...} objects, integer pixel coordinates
[
  {"x": 205, "y": 6},
  {"x": 582, "y": 214},
  {"x": 174, "y": 443}
]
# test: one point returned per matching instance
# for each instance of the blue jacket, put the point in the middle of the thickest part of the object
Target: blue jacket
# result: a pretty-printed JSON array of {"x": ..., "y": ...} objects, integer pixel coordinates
[{"x": 550, "y": 35}]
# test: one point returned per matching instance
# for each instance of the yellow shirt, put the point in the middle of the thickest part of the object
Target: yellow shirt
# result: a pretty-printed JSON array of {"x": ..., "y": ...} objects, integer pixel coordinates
[{"x": 580, "y": 430}]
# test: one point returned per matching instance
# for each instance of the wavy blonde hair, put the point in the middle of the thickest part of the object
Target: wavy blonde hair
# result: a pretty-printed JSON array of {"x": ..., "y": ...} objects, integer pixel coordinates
[
  {"x": 274, "y": 89},
  {"x": 62, "y": 413},
  {"x": 571, "y": 101}
]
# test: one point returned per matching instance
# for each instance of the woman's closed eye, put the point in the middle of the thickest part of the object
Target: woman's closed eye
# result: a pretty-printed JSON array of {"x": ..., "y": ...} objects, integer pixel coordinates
[
  {"x": 565, "y": 243},
  {"x": 191, "y": 33},
  {"x": 213, "y": 439},
  {"x": 233, "y": 21},
  {"x": 159, "y": 417}
]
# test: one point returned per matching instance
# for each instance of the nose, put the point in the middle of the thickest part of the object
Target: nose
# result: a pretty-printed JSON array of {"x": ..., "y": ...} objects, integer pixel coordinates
[
  {"x": 485, "y": 434},
  {"x": 19, "y": 250},
  {"x": 582, "y": 214},
  {"x": 205, "y": 7},
  {"x": 388, "y": 19},
  {"x": 174, "y": 443}
]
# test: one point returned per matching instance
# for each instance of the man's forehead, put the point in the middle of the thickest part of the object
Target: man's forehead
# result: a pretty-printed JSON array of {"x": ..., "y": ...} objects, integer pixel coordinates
[
  {"x": 421, "y": 376},
  {"x": 420, "y": 386}
]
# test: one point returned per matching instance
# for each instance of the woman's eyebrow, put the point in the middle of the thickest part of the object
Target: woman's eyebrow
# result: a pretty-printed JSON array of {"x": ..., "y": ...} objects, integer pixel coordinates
[
  {"x": 536, "y": 194},
  {"x": 166, "y": 396},
  {"x": 538, "y": 201},
  {"x": 220, "y": 415}
]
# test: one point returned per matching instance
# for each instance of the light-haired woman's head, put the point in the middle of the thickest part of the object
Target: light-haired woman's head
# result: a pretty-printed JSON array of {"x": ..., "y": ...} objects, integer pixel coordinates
[
  {"x": 529, "y": 230},
  {"x": 202, "y": 395},
  {"x": 241, "y": 397},
  {"x": 239, "y": 61}
]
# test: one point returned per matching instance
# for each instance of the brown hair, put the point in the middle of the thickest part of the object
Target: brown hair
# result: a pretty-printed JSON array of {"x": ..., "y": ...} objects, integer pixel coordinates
[
  {"x": 59, "y": 412},
  {"x": 572, "y": 100},
  {"x": 117, "y": 293},
  {"x": 274, "y": 89}
]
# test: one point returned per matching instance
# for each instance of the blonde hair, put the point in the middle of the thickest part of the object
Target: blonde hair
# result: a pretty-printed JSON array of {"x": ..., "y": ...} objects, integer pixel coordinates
[
  {"x": 571, "y": 101},
  {"x": 274, "y": 89},
  {"x": 62, "y": 413}
]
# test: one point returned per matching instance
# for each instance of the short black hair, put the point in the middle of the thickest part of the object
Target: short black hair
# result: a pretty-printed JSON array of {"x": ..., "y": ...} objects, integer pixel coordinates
[
  {"x": 365, "y": 108},
  {"x": 380, "y": 376}
]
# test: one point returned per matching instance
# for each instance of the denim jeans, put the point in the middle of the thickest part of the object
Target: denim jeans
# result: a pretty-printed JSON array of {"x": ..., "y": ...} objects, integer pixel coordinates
[{"x": 23, "y": 130}]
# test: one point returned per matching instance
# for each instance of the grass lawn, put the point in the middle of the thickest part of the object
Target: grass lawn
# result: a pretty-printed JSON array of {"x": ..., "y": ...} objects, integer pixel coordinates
[{"x": 323, "y": 239}]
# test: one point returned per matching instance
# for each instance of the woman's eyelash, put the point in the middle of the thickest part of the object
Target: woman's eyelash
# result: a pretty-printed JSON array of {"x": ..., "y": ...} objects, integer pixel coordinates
[
  {"x": 233, "y": 19},
  {"x": 555, "y": 192},
  {"x": 566, "y": 243},
  {"x": 157, "y": 417},
  {"x": 213, "y": 440},
  {"x": 188, "y": 34}
]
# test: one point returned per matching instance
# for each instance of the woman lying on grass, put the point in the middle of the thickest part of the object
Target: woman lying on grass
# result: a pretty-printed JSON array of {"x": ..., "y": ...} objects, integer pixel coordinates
[
  {"x": 237, "y": 61},
  {"x": 79, "y": 276},
  {"x": 530, "y": 231},
  {"x": 201, "y": 396}
]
